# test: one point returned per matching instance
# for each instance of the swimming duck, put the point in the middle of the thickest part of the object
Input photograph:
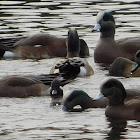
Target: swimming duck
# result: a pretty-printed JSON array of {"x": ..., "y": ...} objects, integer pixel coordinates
[
  {"x": 123, "y": 104},
  {"x": 56, "y": 92},
  {"x": 73, "y": 65},
  {"x": 55, "y": 89},
  {"x": 107, "y": 49},
  {"x": 38, "y": 46},
  {"x": 125, "y": 67},
  {"x": 71, "y": 99},
  {"x": 25, "y": 86}
]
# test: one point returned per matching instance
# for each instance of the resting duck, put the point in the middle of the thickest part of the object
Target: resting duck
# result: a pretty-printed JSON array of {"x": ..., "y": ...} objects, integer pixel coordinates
[
  {"x": 38, "y": 46},
  {"x": 72, "y": 99}
]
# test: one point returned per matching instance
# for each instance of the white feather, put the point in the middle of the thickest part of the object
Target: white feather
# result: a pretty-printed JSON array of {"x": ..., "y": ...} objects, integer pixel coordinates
[
  {"x": 37, "y": 46},
  {"x": 82, "y": 71},
  {"x": 8, "y": 54},
  {"x": 56, "y": 71}
]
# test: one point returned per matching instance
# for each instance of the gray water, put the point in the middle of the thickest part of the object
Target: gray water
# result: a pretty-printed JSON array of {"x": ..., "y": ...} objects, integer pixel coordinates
[{"x": 34, "y": 118}]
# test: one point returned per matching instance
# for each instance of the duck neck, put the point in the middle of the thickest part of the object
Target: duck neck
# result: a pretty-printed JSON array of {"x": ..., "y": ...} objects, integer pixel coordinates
[
  {"x": 117, "y": 95},
  {"x": 73, "y": 49},
  {"x": 92, "y": 103},
  {"x": 107, "y": 34},
  {"x": 86, "y": 102},
  {"x": 107, "y": 30},
  {"x": 115, "y": 103},
  {"x": 73, "y": 45}
]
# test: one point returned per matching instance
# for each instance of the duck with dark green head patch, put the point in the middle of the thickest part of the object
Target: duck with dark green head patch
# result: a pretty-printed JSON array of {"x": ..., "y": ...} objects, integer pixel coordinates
[
  {"x": 81, "y": 98},
  {"x": 107, "y": 49}
]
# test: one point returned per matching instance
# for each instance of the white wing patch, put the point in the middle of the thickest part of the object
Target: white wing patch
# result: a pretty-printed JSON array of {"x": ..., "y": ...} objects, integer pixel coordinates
[
  {"x": 56, "y": 71},
  {"x": 83, "y": 71},
  {"x": 37, "y": 46},
  {"x": 8, "y": 54}
]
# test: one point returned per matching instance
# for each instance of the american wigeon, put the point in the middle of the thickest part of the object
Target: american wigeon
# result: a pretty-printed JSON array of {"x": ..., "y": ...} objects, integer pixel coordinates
[
  {"x": 123, "y": 104},
  {"x": 38, "y": 46},
  {"x": 107, "y": 49},
  {"x": 73, "y": 65},
  {"x": 125, "y": 67},
  {"x": 71, "y": 99},
  {"x": 25, "y": 86}
]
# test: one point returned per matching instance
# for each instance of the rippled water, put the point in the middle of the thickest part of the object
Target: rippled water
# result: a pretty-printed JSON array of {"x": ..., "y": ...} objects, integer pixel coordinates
[{"x": 34, "y": 118}]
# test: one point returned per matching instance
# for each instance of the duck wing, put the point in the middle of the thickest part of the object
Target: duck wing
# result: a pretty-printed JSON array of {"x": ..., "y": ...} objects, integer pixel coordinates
[
  {"x": 48, "y": 78},
  {"x": 130, "y": 45}
]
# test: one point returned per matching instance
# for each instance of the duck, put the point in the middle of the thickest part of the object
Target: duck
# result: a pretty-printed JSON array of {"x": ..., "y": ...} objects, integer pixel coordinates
[
  {"x": 122, "y": 103},
  {"x": 107, "y": 48},
  {"x": 27, "y": 86},
  {"x": 125, "y": 68},
  {"x": 55, "y": 89},
  {"x": 37, "y": 46},
  {"x": 73, "y": 64},
  {"x": 74, "y": 98},
  {"x": 56, "y": 92}
]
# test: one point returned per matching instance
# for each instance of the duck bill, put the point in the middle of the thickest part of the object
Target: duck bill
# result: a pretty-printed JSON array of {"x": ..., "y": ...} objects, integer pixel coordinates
[
  {"x": 97, "y": 27},
  {"x": 64, "y": 108},
  {"x": 99, "y": 96},
  {"x": 136, "y": 66}
]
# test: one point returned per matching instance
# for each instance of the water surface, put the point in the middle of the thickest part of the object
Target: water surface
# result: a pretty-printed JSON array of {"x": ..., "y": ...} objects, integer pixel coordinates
[{"x": 34, "y": 118}]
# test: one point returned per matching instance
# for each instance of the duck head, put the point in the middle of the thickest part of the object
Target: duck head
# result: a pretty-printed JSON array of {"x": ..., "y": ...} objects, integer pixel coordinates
[
  {"x": 114, "y": 90},
  {"x": 105, "y": 24}
]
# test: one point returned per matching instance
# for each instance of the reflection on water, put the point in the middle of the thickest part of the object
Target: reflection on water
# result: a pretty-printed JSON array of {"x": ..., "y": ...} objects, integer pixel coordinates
[
  {"x": 118, "y": 129},
  {"x": 35, "y": 118}
]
